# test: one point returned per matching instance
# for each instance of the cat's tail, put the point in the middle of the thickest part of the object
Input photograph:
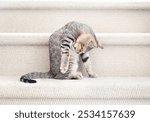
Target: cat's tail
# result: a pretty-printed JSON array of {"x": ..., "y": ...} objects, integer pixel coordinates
[{"x": 28, "y": 78}]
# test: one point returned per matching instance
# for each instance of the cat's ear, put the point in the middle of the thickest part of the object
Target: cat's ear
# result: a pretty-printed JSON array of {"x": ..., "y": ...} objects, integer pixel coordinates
[
  {"x": 99, "y": 45},
  {"x": 95, "y": 43}
]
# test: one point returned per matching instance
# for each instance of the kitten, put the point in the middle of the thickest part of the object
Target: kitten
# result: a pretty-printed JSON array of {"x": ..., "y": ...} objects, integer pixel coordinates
[{"x": 66, "y": 46}]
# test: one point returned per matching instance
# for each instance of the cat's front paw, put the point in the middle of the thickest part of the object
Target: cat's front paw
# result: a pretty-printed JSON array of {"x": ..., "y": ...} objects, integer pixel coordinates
[
  {"x": 63, "y": 69},
  {"x": 93, "y": 75}
]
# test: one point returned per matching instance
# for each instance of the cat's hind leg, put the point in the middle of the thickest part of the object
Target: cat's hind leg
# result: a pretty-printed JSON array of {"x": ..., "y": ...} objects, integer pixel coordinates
[
  {"x": 74, "y": 73},
  {"x": 76, "y": 76}
]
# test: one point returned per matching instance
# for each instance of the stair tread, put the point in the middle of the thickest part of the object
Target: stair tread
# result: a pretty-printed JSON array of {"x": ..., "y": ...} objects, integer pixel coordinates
[
  {"x": 97, "y": 88},
  {"x": 105, "y": 38},
  {"x": 66, "y": 4}
]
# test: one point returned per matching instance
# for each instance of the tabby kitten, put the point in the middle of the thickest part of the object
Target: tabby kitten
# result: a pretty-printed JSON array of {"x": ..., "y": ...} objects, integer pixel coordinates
[{"x": 66, "y": 46}]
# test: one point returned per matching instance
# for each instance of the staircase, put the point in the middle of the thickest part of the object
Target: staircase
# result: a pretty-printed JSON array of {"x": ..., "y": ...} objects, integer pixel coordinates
[{"x": 123, "y": 66}]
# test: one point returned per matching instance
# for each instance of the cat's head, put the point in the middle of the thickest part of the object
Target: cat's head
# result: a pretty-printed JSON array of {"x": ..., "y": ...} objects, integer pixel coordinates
[{"x": 86, "y": 42}]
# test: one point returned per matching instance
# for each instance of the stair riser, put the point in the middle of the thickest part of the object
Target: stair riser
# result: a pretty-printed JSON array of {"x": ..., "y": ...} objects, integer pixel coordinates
[
  {"x": 112, "y": 61},
  {"x": 124, "y": 55},
  {"x": 48, "y": 20}
]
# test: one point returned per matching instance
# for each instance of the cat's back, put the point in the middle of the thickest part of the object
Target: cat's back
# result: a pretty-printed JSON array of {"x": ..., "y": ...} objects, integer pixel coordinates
[{"x": 77, "y": 27}]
